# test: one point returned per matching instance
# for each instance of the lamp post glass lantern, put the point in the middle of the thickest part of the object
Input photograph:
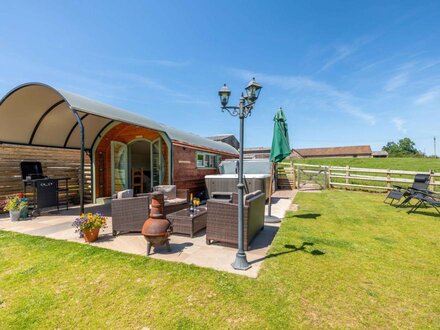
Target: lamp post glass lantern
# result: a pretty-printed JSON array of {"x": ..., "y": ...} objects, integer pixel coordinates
[
  {"x": 224, "y": 94},
  {"x": 253, "y": 90},
  {"x": 243, "y": 110}
]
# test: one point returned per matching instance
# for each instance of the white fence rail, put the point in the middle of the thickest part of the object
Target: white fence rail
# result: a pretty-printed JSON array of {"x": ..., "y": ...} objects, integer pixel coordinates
[{"x": 357, "y": 178}]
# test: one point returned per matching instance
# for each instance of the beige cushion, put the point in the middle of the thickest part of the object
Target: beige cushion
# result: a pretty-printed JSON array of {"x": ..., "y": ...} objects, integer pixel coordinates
[
  {"x": 252, "y": 195},
  {"x": 125, "y": 193},
  {"x": 175, "y": 201},
  {"x": 169, "y": 191},
  {"x": 248, "y": 196}
]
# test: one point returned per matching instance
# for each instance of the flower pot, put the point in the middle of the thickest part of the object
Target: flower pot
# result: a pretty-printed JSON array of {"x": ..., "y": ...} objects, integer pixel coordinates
[
  {"x": 91, "y": 235},
  {"x": 24, "y": 213},
  {"x": 14, "y": 215}
]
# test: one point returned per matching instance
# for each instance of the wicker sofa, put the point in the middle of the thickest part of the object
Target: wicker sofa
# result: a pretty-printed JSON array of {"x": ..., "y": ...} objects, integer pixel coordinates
[
  {"x": 179, "y": 203},
  {"x": 222, "y": 222},
  {"x": 129, "y": 214}
]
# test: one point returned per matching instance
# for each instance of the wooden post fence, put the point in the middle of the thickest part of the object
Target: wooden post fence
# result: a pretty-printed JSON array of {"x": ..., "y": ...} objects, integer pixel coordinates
[{"x": 370, "y": 179}]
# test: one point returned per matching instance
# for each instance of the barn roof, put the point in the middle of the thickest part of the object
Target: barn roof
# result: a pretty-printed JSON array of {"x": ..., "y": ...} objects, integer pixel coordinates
[
  {"x": 41, "y": 115},
  {"x": 380, "y": 153},
  {"x": 335, "y": 151},
  {"x": 256, "y": 149}
]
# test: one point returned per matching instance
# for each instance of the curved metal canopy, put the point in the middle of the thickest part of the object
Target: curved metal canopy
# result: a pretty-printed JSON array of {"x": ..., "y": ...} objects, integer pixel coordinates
[{"x": 40, "y": 115}]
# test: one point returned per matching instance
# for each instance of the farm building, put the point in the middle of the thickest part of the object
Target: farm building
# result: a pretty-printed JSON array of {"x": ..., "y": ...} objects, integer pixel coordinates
[
  {"x": 333, "y": 152},
  {"x": 330, "y": 152},
  {"x": 256, "y": 153},
  {"x": 123, "y": 148},
  {"x": 380, "y": 154},
  {"x": 226, "y": 138}
]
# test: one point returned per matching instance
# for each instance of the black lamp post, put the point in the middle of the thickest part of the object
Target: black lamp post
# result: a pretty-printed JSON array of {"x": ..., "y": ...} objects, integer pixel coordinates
[{"x": 243, "y": 110}]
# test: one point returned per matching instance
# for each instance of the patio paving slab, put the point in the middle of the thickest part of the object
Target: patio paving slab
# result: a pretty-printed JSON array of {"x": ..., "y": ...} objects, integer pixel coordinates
[{"x": 183, "y": 248}]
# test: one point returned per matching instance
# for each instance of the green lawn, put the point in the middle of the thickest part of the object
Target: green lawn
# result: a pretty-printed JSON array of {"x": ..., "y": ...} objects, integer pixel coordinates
[
  {"x": 408, "y": 164},
  {"x": 344, "y": 260}
]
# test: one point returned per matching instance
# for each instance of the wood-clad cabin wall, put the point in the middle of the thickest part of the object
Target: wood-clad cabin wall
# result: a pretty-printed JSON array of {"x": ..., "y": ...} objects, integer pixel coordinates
[
  {"x": 56, "y": 162},
  {"x": 186, "y": 173},
  {"x": 124, "y": 133}
]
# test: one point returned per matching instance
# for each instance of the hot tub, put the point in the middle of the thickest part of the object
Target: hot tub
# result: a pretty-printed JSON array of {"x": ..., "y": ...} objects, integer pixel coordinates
[{"x": 228, "y": 183}]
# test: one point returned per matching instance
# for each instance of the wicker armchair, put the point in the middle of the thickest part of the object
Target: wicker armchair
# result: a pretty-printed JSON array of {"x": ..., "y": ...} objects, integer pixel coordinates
[
  {"x": 129, "y": 214},
  {"x": 222, "y": 219}
]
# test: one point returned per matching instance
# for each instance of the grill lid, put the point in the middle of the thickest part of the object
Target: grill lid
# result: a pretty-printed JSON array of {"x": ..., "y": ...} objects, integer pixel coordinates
[{"x": 32, "y": 169}]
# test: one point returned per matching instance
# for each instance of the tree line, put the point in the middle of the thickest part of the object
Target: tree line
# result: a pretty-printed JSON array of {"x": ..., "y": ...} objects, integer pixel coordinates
[{"x": 403, "y": 148}]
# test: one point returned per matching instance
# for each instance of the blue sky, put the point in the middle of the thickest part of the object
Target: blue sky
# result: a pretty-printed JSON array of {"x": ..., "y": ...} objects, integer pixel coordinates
[{"x": 345, "y": 72}]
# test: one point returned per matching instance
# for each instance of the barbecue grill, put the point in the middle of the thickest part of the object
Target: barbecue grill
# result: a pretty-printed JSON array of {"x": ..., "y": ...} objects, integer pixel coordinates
[{"x": 45, "y": 191}]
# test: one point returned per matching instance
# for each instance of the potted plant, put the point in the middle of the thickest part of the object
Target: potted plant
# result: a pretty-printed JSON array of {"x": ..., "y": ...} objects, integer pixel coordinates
[
  {"x": 24, "y": 213},
  {"x": 14, "y": 205},
  {"x": 89, "y": 225}
]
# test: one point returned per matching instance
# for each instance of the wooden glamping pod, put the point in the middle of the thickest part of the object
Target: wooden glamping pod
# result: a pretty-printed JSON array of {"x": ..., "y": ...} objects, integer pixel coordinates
[
  {"x": 129, "y": 156},
  {"x": 126, "y": 150}
]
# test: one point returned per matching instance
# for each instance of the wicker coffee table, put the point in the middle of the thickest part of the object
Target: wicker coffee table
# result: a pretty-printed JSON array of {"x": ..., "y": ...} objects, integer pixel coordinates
[{"x": 186, "y": 223}]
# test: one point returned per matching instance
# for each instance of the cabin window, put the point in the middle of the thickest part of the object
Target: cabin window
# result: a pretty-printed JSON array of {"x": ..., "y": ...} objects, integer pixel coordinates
[{"x": 205, "y": 160}]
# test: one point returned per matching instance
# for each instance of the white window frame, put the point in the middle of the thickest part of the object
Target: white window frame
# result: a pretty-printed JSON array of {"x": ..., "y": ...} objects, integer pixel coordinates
[{"x": 210, "y": 161}]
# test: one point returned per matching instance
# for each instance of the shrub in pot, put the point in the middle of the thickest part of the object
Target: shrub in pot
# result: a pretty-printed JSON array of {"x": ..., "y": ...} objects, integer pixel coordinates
[
  {"x": 14, "y": 205},
  {"x": 89, "y": 225},
  {"x": 24, "y": 213}
]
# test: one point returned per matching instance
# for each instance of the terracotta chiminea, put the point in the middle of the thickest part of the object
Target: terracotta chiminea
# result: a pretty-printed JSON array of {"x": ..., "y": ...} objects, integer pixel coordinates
[{"x": 156, "y": 229}]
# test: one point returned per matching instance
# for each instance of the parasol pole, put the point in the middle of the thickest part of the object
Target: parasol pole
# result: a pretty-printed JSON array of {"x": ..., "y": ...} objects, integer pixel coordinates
[
  {"x": 270, "y": 218},
  {"x": 270, "y": 190}
]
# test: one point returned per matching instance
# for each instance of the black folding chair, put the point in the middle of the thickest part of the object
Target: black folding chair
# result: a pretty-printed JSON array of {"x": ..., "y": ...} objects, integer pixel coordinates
[
  {"x": 426, "y": 199},
  {"x": 421, "y": 183}
]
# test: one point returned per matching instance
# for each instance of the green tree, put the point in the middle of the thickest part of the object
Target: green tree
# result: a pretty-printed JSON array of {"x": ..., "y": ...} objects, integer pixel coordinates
[{"x": 404, "y": 148}]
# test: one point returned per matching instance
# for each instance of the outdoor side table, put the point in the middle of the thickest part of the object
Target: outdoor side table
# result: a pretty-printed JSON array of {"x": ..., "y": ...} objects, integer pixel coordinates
[{"x": 186, "y": 223}]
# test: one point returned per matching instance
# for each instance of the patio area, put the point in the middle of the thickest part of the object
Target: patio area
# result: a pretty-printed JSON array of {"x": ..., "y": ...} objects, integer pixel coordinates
[{"x": 58, "y": 225}]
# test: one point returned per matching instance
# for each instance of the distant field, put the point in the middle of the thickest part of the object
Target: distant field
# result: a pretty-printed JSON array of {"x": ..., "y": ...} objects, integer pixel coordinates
[{"x": 409, "y": 164}]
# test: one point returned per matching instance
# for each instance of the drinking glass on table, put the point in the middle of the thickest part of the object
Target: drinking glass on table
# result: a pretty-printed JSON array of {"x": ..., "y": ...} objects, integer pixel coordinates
[{"x": 196, "y": 202}]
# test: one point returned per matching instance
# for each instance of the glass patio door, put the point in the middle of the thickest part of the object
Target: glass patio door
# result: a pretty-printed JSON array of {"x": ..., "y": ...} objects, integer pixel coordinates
[
  {"x": 119, "y": 166},
  {"x": 156, "y": 161}
]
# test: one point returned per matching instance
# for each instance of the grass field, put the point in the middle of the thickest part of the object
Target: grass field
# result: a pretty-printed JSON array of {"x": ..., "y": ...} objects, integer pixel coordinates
[
  {"x": 408, "y": 164},
  {"x": 344, "y": 260}
]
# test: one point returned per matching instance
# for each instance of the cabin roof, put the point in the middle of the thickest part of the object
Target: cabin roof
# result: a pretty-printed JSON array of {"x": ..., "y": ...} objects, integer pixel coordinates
[
  {"x": 33, "y": 114},
  {"x": 219, "y": 137}
]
